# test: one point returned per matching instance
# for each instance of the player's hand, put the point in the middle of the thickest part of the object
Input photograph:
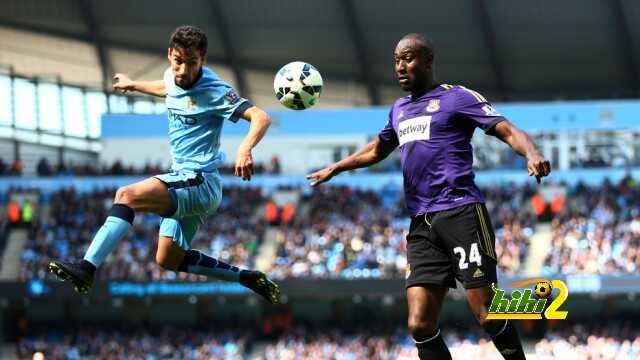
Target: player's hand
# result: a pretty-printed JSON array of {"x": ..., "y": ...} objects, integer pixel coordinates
[
  {"x": 538, "y": 166},
  {"x": 321, "y": 176},
  {"x": 244, "y": 165},
  {"x": 122, "y": 83}
]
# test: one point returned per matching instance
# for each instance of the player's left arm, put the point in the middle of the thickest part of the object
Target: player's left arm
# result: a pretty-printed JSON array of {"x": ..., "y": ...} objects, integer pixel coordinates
[
  {"x": 522, "y": 144},
  {"x": 260, "y": 122}
]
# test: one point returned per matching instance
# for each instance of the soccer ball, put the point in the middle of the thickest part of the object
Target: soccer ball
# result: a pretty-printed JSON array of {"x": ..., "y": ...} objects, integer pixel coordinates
[
  {"x": 298, "y": 85},
  {"x": 543, "y": 289}
]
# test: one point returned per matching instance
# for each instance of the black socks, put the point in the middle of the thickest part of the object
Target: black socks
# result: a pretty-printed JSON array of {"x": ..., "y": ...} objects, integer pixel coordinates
[
  {"x": 433, "y": 348},
  {"x": 507, "y": 341}
]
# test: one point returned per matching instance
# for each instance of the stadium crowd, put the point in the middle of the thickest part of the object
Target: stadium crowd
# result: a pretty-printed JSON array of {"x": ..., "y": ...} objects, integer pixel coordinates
[
  {"x": 614, "y": 341},
  {"x": 350, "y": 233},
  {"x": 374, "y": 345},
  {"x": 44, "y": 168},
  {"x": 599, "y": 232},
  {"x": 342, "y": 232},
  {"x": 118, "y": 168},
  {"x": 301, "y": 343},
  {"x": 233, "y": 235},
  {"x": 337, "y": 232},
  {"x": 617, "y": 340},
  {"x": 119, "y": 343}
]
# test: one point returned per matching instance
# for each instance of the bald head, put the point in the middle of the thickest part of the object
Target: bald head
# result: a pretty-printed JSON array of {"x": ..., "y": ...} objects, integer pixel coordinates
[
  {"x": 418, "y": 43},
  {"x": 414, "y": 63}
]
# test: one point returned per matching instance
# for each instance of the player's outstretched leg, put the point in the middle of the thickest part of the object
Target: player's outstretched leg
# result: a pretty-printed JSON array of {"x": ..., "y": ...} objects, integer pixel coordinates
[
  {"x": 424, "y": 304},
  {"x": 150, "y": 195},
  {"x": 172, "y": 257},
  {"x": 196, "y": 262},
  {"x": 503, "y": 333}
]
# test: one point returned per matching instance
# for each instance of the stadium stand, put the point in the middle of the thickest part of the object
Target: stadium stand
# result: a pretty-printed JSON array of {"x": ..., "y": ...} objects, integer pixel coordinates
[
  {"x": 581, "y": 341},
  {"x": 618, "y": 339},
  {"x": 342, "y": 232},
  {"x": 348, "y": 233},
  {"x": 233, "y": 235},
  {"x": 368, "y": 344},
  {"x": 99, "y": 342},
  {"x": 599, "y": 232},
  {"x": 89, "y": 342},
  {"x": 336, "y": 232},
  {"x": 117, "y": 168}
]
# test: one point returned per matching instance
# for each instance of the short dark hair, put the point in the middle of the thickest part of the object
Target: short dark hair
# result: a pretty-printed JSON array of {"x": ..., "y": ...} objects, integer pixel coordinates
[{"x": 187, "y": 37}]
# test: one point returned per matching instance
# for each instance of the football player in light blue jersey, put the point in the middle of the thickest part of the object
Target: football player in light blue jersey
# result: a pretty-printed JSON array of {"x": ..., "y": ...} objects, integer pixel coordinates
[{"x": 198, "y": 102}]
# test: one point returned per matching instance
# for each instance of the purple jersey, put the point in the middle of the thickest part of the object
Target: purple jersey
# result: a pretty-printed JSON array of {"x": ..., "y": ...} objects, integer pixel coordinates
[{"x": 434, "y": 135}]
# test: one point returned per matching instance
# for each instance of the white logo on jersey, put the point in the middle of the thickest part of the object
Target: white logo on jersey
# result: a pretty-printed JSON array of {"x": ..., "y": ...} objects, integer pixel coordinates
[
  {"x": 231, "y": 96},
  {"x": 191, "y": 103},
  {"x": 490, "y": 111},
  {"x": 414, "y": 129},
  {"x": 433, "y": 105}
]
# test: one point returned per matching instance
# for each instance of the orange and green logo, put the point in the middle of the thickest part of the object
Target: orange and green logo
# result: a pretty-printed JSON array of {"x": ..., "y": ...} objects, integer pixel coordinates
[{"x": 529, "y": 303}]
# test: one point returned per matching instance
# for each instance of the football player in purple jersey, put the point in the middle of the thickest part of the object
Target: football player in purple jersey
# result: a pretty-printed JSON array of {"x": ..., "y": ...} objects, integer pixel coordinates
[{"x": 450, "y": 237}]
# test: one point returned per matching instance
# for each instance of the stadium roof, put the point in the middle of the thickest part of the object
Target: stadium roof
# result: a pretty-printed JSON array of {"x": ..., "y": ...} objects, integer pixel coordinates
[{"x": 509, "y": 50}]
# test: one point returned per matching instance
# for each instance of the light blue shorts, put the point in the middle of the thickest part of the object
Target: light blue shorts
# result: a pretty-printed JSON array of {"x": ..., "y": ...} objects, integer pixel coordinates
[{"x": 195, "y": 196}]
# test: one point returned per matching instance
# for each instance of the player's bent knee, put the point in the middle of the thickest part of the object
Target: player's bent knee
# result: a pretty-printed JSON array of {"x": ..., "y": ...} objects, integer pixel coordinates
[
  {"x": 420, "y": 328},
  {"x": 166, "y": 265},
  {"x": 121, "y": 194},
  {"x": 125, "y": 195},
  {"x": 165, "y": 262}
]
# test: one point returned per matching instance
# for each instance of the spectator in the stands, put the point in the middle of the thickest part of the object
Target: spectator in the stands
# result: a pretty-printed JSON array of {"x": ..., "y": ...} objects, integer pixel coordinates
[
  {"x": 275, "y": 164},
  {"x": 43, "y": 168},
  {"x": 16, "y": 167},
  {"x": 3, "y": 167}
]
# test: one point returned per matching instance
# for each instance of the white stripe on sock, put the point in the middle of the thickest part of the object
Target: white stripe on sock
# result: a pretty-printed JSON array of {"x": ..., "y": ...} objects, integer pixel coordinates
[{"x": 429, "y": 339}]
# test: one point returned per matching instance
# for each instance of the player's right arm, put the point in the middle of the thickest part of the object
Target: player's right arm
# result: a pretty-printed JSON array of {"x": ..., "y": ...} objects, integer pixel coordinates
[
  {"x": 369, "y": 154},
  {"x": 124, "y": 84},
  {"x": 474, "y": 107}
]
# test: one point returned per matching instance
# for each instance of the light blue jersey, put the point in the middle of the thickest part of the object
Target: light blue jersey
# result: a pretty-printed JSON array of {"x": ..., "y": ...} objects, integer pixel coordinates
[{"x": 196, "y": 116}]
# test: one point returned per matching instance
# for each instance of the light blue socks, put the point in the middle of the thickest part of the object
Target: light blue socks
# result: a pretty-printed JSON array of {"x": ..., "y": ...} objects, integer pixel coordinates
[{"x": 114, "y": 228}]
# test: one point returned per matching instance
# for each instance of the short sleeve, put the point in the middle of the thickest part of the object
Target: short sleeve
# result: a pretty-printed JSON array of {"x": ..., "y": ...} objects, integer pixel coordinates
[
  {"x": 227, "y": 103},
  {"x": 473, "y": 106},
  {"x": 388, "y": 133}
]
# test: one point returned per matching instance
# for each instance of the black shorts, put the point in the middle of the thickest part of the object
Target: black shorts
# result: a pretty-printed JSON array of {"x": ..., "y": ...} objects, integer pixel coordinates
[{"x": 452, "y": 244}]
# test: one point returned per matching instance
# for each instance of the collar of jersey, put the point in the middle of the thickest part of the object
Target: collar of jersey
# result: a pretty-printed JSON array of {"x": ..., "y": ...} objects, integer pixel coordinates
[{"x": 431, "y": 93}]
